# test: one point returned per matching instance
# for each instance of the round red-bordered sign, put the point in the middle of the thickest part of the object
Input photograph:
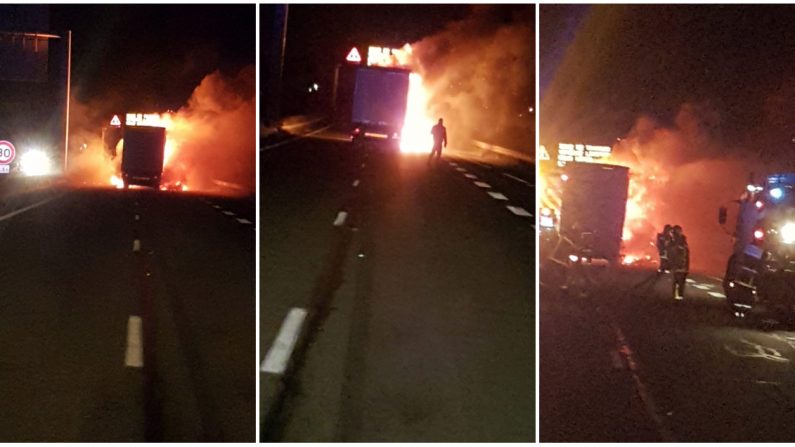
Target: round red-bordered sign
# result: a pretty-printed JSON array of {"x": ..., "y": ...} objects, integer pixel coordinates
[{"x": 7, "y": 152}]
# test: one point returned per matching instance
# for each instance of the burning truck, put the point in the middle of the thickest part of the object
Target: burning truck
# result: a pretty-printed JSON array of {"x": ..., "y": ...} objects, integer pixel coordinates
[
  {"x": 142, "y": 144},
  {"x": 383, "y": 98},
  {"x": 761, "y": 268}
]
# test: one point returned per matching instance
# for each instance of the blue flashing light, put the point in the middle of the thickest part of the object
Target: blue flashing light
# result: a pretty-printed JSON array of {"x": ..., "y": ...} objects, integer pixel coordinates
[{"x": 777, "y": 193}]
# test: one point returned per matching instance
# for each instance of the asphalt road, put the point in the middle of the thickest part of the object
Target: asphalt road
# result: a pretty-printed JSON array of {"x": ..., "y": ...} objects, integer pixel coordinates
[
  {"x": 109, "y": 339},
  {"x": 420, "y": 298},
  {"x": 629, "y": 363}
]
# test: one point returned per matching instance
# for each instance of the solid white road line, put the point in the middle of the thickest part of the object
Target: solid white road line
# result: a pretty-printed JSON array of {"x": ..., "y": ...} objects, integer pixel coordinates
[
  {"x": 340, "y": 220},
  {"x": 716, "y": 294},
  {"x": 356, "y": 183},
  {"x": 134, "y": 355},
  {"x": 281, "y": 350},
  {"x": 482, "y": 164},
  {"x": 471, "y": 176},
  {"x": 136, "y": 245},
  {"x": 483, "y": 184},
  {"x": 282, "y": 143},
  {"x": 229, "y": 213},
  {"x": 520, "y": 180},
  {"x": 497, "y": 195},
  {"x": 244, "y": 221},
  {"x": 519, "y": 211},
  {"x": 27, "y": 208}
]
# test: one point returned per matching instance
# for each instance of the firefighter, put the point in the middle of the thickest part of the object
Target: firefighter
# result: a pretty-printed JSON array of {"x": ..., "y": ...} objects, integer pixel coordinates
[
  {"x": 439, "y": 133},
  {"x": 663, "y": 240},
  {"x": 678, "y": 261}
]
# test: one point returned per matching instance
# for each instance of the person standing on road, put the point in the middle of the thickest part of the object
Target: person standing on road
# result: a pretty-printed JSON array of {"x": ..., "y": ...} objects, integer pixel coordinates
[
  {"x": 663, "y": 240},
  {"x": 439, "y": 133},
  {"x": 679, "y": 261}
]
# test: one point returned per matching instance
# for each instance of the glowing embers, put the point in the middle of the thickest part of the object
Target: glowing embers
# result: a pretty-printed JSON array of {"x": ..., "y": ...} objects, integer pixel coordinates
[
  {"x": 116, "y": 181},
  {"x": 416, "y": 136}
]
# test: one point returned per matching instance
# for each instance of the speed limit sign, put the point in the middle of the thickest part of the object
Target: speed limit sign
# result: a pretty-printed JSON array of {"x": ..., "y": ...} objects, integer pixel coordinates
[{"x": 7, "y": 152}]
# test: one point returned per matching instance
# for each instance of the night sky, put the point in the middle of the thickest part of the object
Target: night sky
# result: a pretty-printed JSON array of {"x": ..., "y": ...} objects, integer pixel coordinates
[
  {"x": 153, "y": 56},
  {"x": 319, "y": 36},
  {"x": 603, "y": 66}
]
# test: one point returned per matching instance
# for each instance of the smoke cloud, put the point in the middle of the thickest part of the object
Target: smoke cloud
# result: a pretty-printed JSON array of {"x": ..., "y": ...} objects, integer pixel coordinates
[
  {"x": 214, "y": 134},
  {"x": 681, "y": 174},
  {"x": 480, "y": 73}
]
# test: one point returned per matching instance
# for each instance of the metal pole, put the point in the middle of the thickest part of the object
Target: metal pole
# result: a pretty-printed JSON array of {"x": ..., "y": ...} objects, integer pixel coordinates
[{"x": 68, "y": 97}]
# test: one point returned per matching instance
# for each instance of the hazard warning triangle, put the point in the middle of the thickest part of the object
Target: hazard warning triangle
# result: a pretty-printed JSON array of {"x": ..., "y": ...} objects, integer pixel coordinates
[
  {"x": 543, "y": 155},
  {"x": 115, "y": 121},
  {"x": 354, "y": 56}
]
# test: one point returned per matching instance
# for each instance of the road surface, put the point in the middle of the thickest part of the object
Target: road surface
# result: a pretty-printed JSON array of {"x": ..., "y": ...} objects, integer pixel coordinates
[
  {"x": 628, "y": 363},
  {"x": 418, "y": 281},
  {"x": 126, "y": 316}
]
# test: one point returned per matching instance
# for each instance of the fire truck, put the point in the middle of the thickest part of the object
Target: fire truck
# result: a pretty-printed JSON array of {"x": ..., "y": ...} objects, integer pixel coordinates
[{"x": 761, "y": 268}]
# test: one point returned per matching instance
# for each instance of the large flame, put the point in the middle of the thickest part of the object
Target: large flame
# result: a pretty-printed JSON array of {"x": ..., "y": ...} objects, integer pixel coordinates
[{"x": 416, "y": 136}]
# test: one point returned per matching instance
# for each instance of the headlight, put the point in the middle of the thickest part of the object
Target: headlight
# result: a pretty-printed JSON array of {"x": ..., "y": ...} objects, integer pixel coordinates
[
  {"x": 35, "y": 162},
  {"x": 788, "y": 233},
  {"x": 777, "y": 193}
]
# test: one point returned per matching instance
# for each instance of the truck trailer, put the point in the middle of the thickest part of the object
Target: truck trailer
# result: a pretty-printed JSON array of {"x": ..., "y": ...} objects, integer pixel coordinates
[
  {"x": 593, "y": 207},
  {"x": 371, "y": 101},
  {"x": 142, "y": 157}
]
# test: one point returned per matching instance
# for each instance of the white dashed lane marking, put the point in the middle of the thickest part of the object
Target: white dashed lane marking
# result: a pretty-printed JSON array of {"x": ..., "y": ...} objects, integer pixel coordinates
[
  {"x": 279, "y": 354},
  {"x": 356, "y": 183},
  {"x": 519, "y": 211},
  {"x": 716, "y": 294},
  {"x": 460, "y": 169},
  {"x": 482, "y": 184},
  {"x": 471, "y": 176},
  {"x": 702, "y": 286},
  {"x": 340, "y": 220},
  {"x": 240, "y": 220},
  {"x": 497, "y": 195},
  {"x": 134, "y": 355},
  {"x": 136, "y": 246}
]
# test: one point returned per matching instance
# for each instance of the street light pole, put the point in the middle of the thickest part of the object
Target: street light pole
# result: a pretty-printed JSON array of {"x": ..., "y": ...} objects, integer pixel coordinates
[{"x": 68, "y": 97}]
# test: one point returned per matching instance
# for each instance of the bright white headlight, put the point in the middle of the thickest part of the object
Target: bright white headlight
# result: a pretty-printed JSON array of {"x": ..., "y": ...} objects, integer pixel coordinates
[
  {"x": 35, "y": 162},
  {"x": 788, "y": 233}
]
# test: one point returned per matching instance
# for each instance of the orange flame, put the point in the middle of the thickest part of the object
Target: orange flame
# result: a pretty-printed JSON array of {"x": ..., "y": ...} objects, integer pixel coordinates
[{"x": 416, "y": 135}]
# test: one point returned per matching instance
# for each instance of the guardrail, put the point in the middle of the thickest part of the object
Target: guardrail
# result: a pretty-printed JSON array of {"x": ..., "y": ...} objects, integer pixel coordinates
[{"x": 504, "y": 151}]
